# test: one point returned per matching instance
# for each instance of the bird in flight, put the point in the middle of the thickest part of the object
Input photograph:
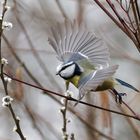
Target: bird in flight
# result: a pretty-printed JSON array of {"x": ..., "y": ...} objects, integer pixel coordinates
[{"x": 85, "y": 58}]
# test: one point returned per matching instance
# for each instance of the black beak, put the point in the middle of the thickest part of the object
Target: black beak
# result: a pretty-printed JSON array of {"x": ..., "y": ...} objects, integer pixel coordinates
[{"x": 57, "y": 73}]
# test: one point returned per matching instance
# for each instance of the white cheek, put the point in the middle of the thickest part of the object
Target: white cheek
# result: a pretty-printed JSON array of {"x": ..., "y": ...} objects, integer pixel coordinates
[
  {"x": 68, "y": 71},
  {"x": 65, "y": 74}
]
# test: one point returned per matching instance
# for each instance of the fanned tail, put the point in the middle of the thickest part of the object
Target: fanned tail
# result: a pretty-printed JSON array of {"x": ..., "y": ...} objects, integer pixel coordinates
[{"x": 126, "y": 85}]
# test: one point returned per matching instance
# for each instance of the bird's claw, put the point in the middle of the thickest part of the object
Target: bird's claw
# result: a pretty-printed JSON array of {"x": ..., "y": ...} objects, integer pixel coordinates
[{"x": 118, "y": 97}]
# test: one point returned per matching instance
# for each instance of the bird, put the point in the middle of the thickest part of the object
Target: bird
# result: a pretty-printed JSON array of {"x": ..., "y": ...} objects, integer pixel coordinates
[{"x": 84, "y": 58}]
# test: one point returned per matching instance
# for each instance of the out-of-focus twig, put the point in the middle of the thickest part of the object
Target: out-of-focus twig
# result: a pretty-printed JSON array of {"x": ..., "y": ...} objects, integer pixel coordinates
[
  {"x": 106, "y": 116},
  {"x": 80, "y": 11},
  {"x": 5, "y": 82},
  {"x": 20, "y": 61},
  {"x": 35, "y": 117},
  {"x": 91, "y": 117},
  {"x": 35, "y": 53},
  {"x": 4, "y": 138},
  {"x": 65, "y": 121},
  {"x": 61, "y": 9},
  {"x": 135, "y": 128},
  {"x": 55, "y": 99}
]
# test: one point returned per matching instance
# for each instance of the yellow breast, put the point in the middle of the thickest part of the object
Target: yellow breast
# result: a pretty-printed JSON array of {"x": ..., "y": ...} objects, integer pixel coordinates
[{"x": 74, "y": 80}]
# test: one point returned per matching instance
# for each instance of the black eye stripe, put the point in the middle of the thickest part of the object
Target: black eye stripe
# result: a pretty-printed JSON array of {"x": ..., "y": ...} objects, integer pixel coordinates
[{"x": 66, "y": 66}]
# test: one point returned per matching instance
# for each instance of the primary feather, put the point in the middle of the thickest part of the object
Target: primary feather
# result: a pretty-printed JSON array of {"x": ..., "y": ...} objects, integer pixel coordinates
[{"x": 68, "y": 38}]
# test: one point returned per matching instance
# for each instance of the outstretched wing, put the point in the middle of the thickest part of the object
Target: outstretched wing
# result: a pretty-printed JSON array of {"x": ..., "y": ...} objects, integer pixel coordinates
[
  {"x": 70, "y": 38},
  {"x": 97, "y": 78}
]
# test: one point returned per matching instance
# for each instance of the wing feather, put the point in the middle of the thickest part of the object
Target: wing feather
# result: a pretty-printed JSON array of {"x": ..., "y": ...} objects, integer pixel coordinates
[
  {"x": 97, "y": 78},
  {"x": 73, "y": 38}
]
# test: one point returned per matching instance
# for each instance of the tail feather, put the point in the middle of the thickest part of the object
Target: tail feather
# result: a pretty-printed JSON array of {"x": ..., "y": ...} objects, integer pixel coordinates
[{"x": 126, "y": 85}]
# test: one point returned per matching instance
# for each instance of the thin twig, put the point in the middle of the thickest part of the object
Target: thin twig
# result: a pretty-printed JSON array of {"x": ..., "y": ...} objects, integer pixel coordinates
[
  {"x": 1, "y": 22},
  {"x": 130, "y": 121},
  {"x": 40, "y": 85},
  {"x": 133, "y": 30},
  {"x": 80, "y": 11},
  {"x": 35, "y": 53},
  {"x": 134, "y": 9},
  {"x": 3, "y": 80},
  {"x": 121, "y": 24},
  {"x": 138, "y": 10},
  {"x": 134, "y": 127},
  {"x": 20, "y": 61},
  {"x": 15, "y": 118},
  {"x": 61, "y": 9},
  {"x": 72, "y": 99},
  {"x": 17, "y": 122},
  {"x": 64, "y": 114},
  {"x": 114, "y": 92},
  {"x": 113, "y": 18},
  {"x": 35, "y": 117},
  {"x": 119, "y": 17}
]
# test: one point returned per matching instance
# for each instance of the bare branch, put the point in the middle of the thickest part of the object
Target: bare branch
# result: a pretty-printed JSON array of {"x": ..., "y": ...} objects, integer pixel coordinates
[{"x": 46, "y": 91}]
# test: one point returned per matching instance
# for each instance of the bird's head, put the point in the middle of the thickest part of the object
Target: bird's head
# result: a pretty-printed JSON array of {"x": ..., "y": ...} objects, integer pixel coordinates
[{"x": 68, "y": 70}]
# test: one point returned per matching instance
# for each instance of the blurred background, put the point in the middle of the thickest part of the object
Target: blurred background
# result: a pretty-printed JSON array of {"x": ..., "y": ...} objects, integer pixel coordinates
[{"x": 33, "y": 60}]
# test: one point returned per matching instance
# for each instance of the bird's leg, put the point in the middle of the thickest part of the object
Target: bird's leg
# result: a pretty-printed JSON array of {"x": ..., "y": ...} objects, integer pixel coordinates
[{"x": 118, "y": 96}]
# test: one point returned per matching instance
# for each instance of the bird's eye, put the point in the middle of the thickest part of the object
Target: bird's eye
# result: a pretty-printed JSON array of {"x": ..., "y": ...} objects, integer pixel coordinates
[{"x": 68, "y": 71}]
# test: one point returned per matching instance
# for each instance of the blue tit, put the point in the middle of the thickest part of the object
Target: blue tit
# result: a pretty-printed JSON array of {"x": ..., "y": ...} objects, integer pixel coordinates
[{"x": 85, "y": 58}]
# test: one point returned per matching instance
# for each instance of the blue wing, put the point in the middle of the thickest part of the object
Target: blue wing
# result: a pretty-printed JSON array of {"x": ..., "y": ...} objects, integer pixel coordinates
[{"x": 127, "y": 85}]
